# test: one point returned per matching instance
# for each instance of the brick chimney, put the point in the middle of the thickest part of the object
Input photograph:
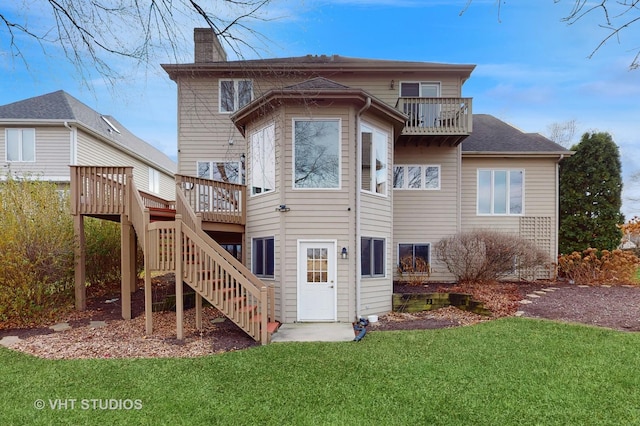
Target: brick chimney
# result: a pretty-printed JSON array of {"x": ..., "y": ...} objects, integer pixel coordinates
[{"x": 207, "y": 46}]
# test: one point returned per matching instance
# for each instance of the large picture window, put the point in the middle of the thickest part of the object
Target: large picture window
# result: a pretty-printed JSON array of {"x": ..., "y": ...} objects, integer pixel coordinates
[
  {"x": 372, "y": 257},
  {"x": 262, "y": 160},
  {"x": 374, "y": 160},
  {"x": 416, "y": 177},
  {"x": 316, "y": 147},
  {"x": 500, "y": 192},
  {"x": 264, "y": 258},
  {"x": 223, "y": 171},
  {"x": 234, "y": 94},
  {"x": 20, "y": 145}
]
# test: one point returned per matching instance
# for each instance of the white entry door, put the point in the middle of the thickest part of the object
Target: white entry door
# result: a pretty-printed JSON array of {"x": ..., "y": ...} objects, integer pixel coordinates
[{"x": 316, "y": 281}]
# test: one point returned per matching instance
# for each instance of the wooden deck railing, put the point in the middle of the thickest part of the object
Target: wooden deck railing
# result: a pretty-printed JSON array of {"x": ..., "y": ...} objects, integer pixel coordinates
[
  {"x": 99, "y": 190},
  {"x": 154, "y": 201},
  {"x": 206, "y": 268},
  {"x": 436, "y": 116},
  {"x": 216, "y": 201}
]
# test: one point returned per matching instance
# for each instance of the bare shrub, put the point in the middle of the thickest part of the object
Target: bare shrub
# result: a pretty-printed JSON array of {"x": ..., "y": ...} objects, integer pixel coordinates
[{"x": 485, "y": 255}]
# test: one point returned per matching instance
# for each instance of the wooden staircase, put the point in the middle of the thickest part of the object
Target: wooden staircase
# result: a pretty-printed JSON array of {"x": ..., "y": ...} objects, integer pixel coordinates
[{"x": 173, "y": 240}]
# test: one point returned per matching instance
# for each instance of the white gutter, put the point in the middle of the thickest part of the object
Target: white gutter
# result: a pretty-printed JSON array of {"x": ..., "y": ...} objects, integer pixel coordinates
[
  {"x": 73, "y": 144},
  {"x": 358, "y": 182}
]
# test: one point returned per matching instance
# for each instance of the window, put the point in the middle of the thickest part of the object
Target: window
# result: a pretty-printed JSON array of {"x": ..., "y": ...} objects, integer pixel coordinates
[
  {"x": 223, "y": 171},
  {"x": 20, "y": 145},
  {"x": 316, "y": 145},
  {"x": 264, "y": 258},
  {"x": 500, "y": 192},
  {"x": 372, "y": 257},
  {"x": 414, "y": 257},
  {"x": 421, "y": 112},
  {"x": 374, "y": 152},
  {"x": 416, "y": 177},
  {"x": 234, "y": 94},
  {"x": 262, "y": 160},
  {"x": 154, "y": 181}
]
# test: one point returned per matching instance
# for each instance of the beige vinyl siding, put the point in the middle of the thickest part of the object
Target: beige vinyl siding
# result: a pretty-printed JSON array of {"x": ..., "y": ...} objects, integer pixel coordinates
[
  {"x": 540, "y": 197},
  {"x": 377, "y": 222},
  {"x": 203, "y": 132},
  {"x": 427, "y": 216},
  {"x": 92, "y": 151},
  {"x": 52, "y": 154}
]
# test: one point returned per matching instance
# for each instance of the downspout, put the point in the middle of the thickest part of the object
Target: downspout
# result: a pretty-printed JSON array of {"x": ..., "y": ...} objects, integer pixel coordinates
[
  {"x": 358, "y": 182},
  {"x": 73, "y": 146}
]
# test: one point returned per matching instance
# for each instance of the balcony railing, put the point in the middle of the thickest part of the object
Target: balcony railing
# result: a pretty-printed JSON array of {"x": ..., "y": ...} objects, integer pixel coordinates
[
  {"x": 216, "y": 201},
  {"x": 436, "y": 116}
]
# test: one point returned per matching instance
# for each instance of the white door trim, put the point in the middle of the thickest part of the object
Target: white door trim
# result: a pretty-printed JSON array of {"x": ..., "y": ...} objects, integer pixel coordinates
[{"x": 333, "y": 277}]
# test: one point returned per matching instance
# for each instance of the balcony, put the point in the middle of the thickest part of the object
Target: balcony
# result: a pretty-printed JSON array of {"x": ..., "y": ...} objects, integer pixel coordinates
[{"x": 435, "y": 121}]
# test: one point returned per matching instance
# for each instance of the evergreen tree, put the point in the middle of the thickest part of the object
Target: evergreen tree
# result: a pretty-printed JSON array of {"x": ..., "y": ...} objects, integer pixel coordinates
[{"x": 591, "y": 195}]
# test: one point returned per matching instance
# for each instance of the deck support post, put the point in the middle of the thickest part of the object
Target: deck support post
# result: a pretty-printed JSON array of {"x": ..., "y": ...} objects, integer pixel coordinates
[
  {"x": 127, "y": 265},
  {"x": 80, "y": 275},
  {"x": 179, "y": 243},
  {"x": 198, "y": 311},
  {"x": 148, "y": 296}
]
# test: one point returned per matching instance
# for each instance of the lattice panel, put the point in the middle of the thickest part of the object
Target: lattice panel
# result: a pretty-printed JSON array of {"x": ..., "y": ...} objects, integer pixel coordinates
[{"x": 539, "y": 230}]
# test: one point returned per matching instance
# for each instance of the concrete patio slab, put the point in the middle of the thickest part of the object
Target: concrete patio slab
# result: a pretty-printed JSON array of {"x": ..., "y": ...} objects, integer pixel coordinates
[{"x": 314, "y": 332}]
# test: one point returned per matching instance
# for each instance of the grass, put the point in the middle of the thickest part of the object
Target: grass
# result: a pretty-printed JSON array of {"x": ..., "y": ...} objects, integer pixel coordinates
[{"x": 509, "y": 371}]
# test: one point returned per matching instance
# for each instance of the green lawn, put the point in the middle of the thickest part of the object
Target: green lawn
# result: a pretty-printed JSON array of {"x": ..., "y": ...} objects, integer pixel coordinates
[{"x": 510, "y": 371}]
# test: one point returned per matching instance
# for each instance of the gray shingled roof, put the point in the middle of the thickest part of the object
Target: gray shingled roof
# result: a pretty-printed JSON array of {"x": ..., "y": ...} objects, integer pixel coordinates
[
  {"x": 493, "y": 135},
  {"x": 317, "y": 83},
  {"x": 60, "y": 106}
]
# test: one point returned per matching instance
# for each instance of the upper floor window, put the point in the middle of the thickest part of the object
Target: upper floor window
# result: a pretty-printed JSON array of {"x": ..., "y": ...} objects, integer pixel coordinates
[
  {"x": 20, "y": 145},
  {"x": 421, "y": 112},
  {"x": 316, "y": 145},
  {"x": 416, "y": 177},
  {"x": 223, "y": 171},
  {"x": 500, "y": 192},
  {"x": 154, "y": 181},
  {"x": 262, "y": 160},
  {"x": 375, "y": 161},
  {"x": 234, "y": 94}
]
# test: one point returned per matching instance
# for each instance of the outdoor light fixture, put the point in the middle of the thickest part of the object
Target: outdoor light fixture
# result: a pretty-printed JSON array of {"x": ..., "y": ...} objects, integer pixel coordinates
[
  {"x": 392, "y": 85},
  {"x": 344, "y": 254},
  {"x": 282, "y": 208}
]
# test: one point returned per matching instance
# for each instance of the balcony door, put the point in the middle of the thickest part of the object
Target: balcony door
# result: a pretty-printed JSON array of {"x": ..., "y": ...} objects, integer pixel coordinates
[{"x": 422, "y": 113}]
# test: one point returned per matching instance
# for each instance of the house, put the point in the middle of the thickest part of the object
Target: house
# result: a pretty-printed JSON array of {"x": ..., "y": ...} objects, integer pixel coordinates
[
  {"x": 42, "y": 136},
  {"x": 302, "y": 182},
  {"x": 350, "y": 164}
]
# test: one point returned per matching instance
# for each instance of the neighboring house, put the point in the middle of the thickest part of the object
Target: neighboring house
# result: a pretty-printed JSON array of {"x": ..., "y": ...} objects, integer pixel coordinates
[
  {"x": 351, "y": 164},
  {"x": 42, "y": 136}
]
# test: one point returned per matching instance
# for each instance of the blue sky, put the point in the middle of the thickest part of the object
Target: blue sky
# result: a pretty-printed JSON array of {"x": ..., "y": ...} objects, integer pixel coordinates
[{"x": 532, "y": 69}]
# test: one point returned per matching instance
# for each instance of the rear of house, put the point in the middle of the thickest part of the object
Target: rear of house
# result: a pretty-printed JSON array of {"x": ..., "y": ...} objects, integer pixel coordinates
[{"x": 350, "y": 165}]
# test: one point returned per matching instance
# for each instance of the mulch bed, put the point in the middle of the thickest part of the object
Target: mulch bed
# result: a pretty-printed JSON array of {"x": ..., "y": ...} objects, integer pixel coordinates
[{"x": 615, "y": 307}]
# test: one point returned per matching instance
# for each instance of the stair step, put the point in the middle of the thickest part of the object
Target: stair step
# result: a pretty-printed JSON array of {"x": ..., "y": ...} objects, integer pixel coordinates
[
  {"x": 248, "y": 308},
  {"x": 272, "y": 327}
]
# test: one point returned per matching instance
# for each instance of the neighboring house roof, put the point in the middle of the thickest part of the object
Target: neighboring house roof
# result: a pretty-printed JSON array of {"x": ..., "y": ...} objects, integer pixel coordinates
[
  {"x": 334, "y": 63},
  {"x": 493, "y": 136},
  {"x": 61, "y": 107}
]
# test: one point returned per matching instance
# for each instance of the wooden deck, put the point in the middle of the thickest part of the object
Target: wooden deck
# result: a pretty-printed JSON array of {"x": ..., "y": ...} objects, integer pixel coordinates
[
  {"x": 173, "y": 239},
  {"x": 436, "y": 121}
]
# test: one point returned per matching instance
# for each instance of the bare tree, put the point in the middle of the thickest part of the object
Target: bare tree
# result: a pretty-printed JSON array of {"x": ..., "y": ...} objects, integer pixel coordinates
[
  {"x": 563, "y": 133},
  {"x": 616, "y": 16},
  {"x": 97, "y": 35}
]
